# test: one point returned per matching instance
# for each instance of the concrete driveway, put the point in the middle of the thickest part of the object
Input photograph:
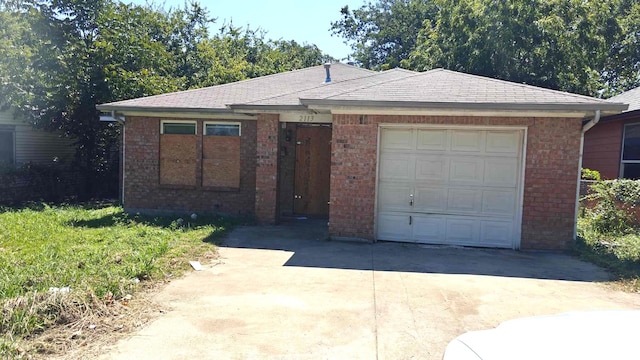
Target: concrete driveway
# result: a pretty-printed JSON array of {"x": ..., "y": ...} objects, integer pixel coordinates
[{"x": 286, "y": 292}]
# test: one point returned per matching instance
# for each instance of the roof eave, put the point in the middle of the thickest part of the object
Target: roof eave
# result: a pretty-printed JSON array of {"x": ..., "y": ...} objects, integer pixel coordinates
[
  {"x": 164, "y": 109},
  {"x": 609, "y": 108}
]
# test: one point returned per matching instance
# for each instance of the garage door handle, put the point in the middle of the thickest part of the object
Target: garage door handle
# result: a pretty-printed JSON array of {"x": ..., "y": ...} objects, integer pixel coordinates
[
  {"x": 410, "y": 220},
  {"x": 411, "y": 200}
]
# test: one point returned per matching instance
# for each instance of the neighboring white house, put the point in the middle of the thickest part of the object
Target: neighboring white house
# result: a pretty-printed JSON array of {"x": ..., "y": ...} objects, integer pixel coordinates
[{"x": 20, "y": 143}]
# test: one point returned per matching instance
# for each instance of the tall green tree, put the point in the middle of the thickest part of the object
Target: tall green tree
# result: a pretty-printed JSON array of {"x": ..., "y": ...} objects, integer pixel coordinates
[
  {"x": 588, "y": 47},
  {"x": 383, "y": 33}
]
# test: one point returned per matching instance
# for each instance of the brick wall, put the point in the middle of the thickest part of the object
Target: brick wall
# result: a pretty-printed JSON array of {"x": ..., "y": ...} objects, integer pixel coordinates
[
  {"x": 142, "y": 170},
  {"x": 602, "y": 145},
  {"x": 550, "y": 181},
  {"x": 286, "y": 172},
  {"x": 267, "y": 168}
]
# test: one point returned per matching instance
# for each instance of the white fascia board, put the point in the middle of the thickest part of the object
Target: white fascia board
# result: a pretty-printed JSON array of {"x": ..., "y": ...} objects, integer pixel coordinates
[{"x": 349, "y": 110}]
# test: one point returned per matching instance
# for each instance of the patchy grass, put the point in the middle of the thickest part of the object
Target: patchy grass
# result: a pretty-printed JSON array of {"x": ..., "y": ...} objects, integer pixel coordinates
[
  {"x": 98, "y": 252},
  {"x": 617, "y": 252}
]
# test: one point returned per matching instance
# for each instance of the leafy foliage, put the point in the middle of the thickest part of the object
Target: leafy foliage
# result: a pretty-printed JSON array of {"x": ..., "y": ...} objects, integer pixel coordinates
[
  {"x": 588, "y": 174},
  {"x": 586, "y": 47},
  {"x": 615, "y": 206}
]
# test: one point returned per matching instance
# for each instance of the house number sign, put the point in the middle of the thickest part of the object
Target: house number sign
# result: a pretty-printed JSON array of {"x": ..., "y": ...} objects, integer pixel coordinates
[{"x": 305, "y": 117}]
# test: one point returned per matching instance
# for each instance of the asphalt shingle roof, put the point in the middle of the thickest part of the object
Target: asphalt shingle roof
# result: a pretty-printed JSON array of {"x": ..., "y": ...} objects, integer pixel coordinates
[
  {"x": 356, "y": 86},
  {"x": 246, "y": 91},
  {"x": 631, "y": 97},
  {"x": 444, "y": 86}
]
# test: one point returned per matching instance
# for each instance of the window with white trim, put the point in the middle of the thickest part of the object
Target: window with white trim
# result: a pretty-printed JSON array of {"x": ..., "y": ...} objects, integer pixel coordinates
[
  {"x": 7, "y": 144},
  {"x": 630, "y": 159},
  {"x": 222, "y": 128},
  {"x": 178, "y": 127}
]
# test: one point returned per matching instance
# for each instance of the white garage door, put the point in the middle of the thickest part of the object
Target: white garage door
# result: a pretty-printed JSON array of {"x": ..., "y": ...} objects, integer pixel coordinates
[{"x": 449, "y": 186}]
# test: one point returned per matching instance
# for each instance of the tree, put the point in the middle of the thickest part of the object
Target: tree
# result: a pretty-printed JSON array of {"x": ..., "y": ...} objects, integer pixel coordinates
[
  {"x": 381, "y": 34},
  {"x": 587, "y": 47}
]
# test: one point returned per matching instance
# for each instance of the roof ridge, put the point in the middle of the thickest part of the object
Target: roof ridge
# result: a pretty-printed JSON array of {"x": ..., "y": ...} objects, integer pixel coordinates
[
  {"x": 414, "y": 74},
  {"x": 533, "y": 87},
  {"x": 373, "y": 73},
  {"x": 240, "y": 81}
]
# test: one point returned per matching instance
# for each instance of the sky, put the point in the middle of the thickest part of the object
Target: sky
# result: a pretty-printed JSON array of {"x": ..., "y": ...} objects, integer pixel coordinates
[{"x": 300, "y": 20}]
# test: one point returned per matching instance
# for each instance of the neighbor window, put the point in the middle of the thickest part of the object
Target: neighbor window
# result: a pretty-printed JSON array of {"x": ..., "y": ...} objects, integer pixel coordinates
[
  {"x": 7, "y": 144},
  {"x": 178, "y": 152},
  {"x": 221, "y": 155},
  {"x": 630, "y": 164}
]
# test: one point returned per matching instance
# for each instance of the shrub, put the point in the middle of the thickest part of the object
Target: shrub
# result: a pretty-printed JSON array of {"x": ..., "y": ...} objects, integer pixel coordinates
[
  {"x": 615, "y": 206},
  {"x": 588, "y": 174}
]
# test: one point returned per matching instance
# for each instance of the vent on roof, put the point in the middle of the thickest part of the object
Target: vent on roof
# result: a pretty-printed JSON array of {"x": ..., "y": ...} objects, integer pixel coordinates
[{"x": 327, "y": 68}]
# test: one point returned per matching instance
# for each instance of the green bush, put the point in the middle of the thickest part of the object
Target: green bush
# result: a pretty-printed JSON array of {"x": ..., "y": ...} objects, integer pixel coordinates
[
  {"x": 613, "y": 206},
  {"x": 588, "y": 174}
]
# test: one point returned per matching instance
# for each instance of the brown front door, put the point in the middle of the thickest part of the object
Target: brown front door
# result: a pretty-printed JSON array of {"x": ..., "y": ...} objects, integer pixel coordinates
[{"x": 313, "y": 167}]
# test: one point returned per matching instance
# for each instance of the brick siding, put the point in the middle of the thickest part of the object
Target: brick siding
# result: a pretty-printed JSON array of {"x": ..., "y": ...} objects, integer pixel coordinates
[
  {"x": 267, "y": 169},
  {"x": 143, "y": 191},
  {"x": 550, "y": 174},
  {"x": 602, "y": 145}
]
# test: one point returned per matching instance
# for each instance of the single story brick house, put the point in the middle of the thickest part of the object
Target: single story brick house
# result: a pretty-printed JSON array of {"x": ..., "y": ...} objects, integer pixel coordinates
[
  {"x": 437, "y": 157},
  {"x": 613, "y": 145}
]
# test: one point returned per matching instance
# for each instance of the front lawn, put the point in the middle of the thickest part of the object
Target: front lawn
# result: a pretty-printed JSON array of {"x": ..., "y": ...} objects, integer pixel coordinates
[{"x": 59, "y": 265}]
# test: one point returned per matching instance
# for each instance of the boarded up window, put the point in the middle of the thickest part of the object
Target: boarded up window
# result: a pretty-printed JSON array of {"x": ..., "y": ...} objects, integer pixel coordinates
[
  {"x": 221, "y": 161},
  {"x": 178, "y": 154}
]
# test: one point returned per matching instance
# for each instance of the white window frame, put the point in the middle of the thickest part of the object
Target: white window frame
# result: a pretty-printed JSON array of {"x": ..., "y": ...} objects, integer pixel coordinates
[
  {"x": 11, "y": 129},
  {"x": 622, "y": 161},
  {"x": 204, "y": 126},
  {"x": 195, "y": 123}
]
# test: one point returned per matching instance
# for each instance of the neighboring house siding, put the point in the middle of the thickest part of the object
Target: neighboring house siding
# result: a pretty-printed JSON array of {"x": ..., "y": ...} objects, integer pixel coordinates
[
  {"x": 550, "y": 174},
  {"x": 602, "y": 146},
  {"x": 38, "y": 146},
  {"x": 143, "y": 190}
]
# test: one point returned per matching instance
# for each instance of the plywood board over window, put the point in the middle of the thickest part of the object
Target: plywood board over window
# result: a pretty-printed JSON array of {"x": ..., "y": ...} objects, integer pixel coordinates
[
  {"x": 178, "y": 154},
  {"x": 221, "y": 161}
]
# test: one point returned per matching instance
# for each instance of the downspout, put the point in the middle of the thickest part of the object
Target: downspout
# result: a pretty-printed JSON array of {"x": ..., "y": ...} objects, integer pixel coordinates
[
  {"x": 124, "y": 142},
  {"x": 585, "y": 128}
]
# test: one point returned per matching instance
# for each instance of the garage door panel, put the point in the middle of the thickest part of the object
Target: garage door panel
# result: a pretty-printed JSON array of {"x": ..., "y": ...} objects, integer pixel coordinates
[
  {"x": 465, "y": 185},
  {"x": 428, "y": 229},
  {"x": 464, "y": 200},
  {"x": 394, "y": 197},
  {"x": 430, "y": 199},
  {"x": 466, "y": 140},
  {"x": 502, "y": 142},
  {"x": 495, "y": 202},
  {"x": 496, "y": 233},
  {"x": 462, "y": 231},
  {"x": 501, "y": 172},
  {"x": 394, "y": 227},
  {"x": 398, "y": 139},
  {"x": 431, "y": 168},
  {"x": 432, "y": 139},
  {"x": 397, "y": 167},
  {"x": 466, "y": 170}
]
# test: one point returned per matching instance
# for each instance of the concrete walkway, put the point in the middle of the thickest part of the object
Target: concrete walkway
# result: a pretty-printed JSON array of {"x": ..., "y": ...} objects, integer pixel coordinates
[{"x": 285, "y": 292}]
